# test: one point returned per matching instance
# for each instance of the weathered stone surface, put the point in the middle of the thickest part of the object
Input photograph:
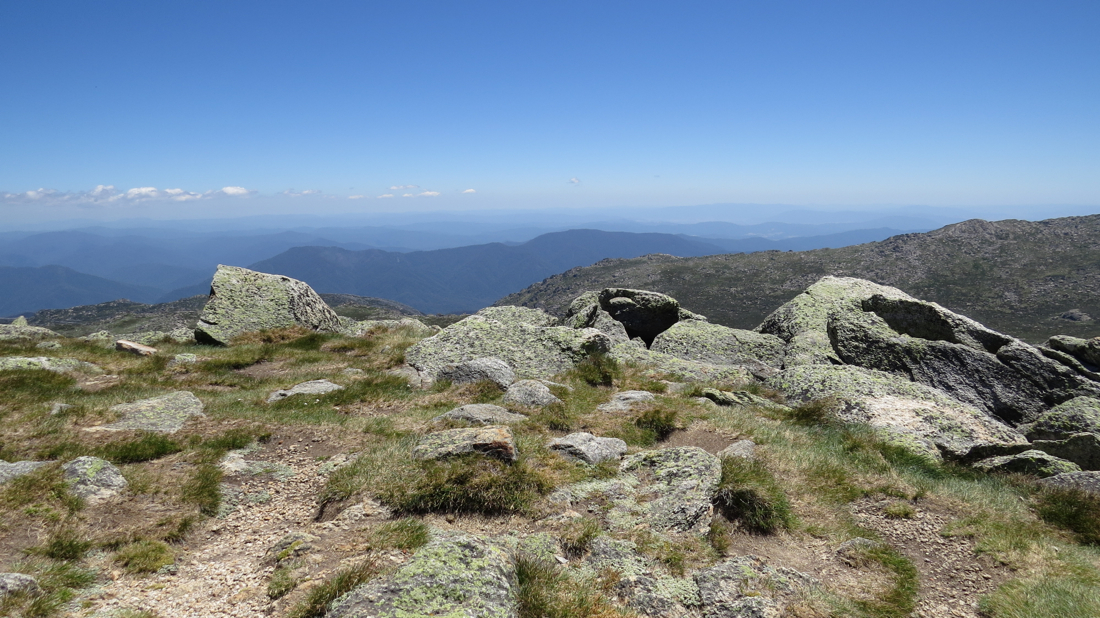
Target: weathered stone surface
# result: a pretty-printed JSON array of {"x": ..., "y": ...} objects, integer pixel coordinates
[
  {"x": 587, "y": 448},
  {"x": 684, "y": 482},
  {"x": 183, "y": 359},
  {"x": 292, "y": 546},
  {"x": 57, "y": 365},
  {"x": 744, "y": 449},
  {"x": 1086, "y": 351},
  {"x": 93, "y": 479},
  {"x": 1028, "y": 462},
  {"x": 164, "y": 414},
  {"x": 493, "y": 441},
  {"x": 8, "y": 471},
  {"x": 521, "y": 337},
  {"x": 1085, "y": 481},
  {"x": 1080, "y": 414},
  {"x": 481, "y": 414},
  {"x": 1082, "y": 449},
  {"x": 134, "y": 348},
  {"x": 15, "y": 583},
  {"x": 640, "y": 313},
  {"x": 415, "y": 327},
  {"x": 741, "y": 399},
  {"x": 624, "y": 401},
  {"x": 48, "y": 345},
  {"x": 530, "y": 393},
  {"x": 313, "y": 387},
  {"x": 720, "y": 345},
  {"x": 747, "y": 587},
  {"x": 915, "y": 415},
  {"x": 478, "y": 369},
  {"x": 243, "y": 301},
  {"x": 689, "y": 370},
  {"x": 21, "y": 332},
  {"x": 459, "y": 576}
]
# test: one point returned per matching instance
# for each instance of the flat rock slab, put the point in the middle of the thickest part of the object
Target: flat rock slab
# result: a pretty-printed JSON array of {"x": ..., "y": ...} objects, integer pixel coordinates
[
  {"x": 481, "y": 414},
  {"x": 8, "y": 471},
  {"x": 93, "y": 479},
  {"x": 587, "y": 448},
  {"x": 488, "y": 368},
  {"x": 682, "y": 483},
  {"x": 1028, "y": 462},
  {"x": 134, "y": 347},
  {"x": 1085, "y": 481},
  {"x": 58, "y": 365},
  {"x": 459, "y": 576},
  {"x": 624, "y": 401},
  {"x": 493, "y": 441},
  {"x": 741, "y": 399},
  {"x": 745, "y": 449},
  {"x": 163, "y": 414},
  {"x": 313, "y": 387},
  {"x": 746, "y": 586},
  {"x": 531, "y": 393}
]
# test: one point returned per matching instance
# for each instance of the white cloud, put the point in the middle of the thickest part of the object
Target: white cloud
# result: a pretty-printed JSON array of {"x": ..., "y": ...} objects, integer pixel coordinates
[
  {"x": 386, "y": 195},
  {"x": 403, "y": 187},
  {"x": 235, "y": 191},
  {"x": 292, "y": 193},
  {"x": 574, "y": 180},
  {"x": 469, "y": 191},
  {"x": 407, "y": 195},
  {"x": 428, "y": 194},
  {"x": 356, "y": 197},
  {"x": 139, "y": 193},
  {"x": 107, "y": 194}
]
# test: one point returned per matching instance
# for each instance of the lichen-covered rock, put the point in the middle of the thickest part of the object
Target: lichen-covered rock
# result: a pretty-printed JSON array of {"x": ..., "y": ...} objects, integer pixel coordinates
[
  {"x": 696, "y": 340},
  {"x": 493, "y": 441},
  {"x": 587, "y": 448},
  {"x": 8, "y": 471},
  {"x": 460, "y": 576},
  {"x": 488, "y": 368},
  {"x": 1085, "y": 481},
  {"x": 57, "y": 365},
  {"x": 1032, "y": 461},
  {"x": 243, "y": 301},
  {"x": 164, "y": 414},
  {"x": 521, "y": 337},
  {"x": 414, "y": 326},
  {"x": 530, "y": 393},
  {"x": 640, "y": 313},
  {"x": 20, "y": 331},
  {"x": 293, "y": 545},
  {"x": 624, "y": 401},
  {"x": 692, "y": 371},
  {"x": 183, "y": 359},
  {"x": 313, "y": 387},
  {"x": 17, "y": 583},
  {"x": 910, "y": 412},
  {"x": 1080, "y": 414},
  {"x": 681, "y": 482},
  {"x": 93, "y": 479},
  {"x": 741, "y": 399},
  {"x": 1086, "y": 351},
  {"x": 1082, "y": 449},
  {"x": 743, "y": 449},
  {"x": 481, "y": 414},
  {"x": 746, "y": 587}
]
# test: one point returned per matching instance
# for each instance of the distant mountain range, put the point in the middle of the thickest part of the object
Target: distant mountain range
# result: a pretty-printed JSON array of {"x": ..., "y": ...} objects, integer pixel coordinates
[
  {"x": 155, "y": 265},
  {"x": 1029, "y": 279}
]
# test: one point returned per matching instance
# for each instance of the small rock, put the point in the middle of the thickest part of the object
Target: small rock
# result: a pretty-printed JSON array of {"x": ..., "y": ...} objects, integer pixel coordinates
[
  {"x": 530, "y": 393},
  {"x": 745, "y": 449},
  {"x": 58, "y": 408},
  {"x": 481, "y": 414},
  {"x": 740, "y": 399},
  {"x": 48, "y": 345},
  {"x": 1085, "y": 481},
  {"x": 493, "y": 441},
  {"x": 313, "y": 387},
  {"x": 587, "y": 448},
  {"x": 292, "y": 545},
  {"x": 93, "y": 479},
  {"x": 478, "y": 369},
  {"x": 12, "y": 583},
  {"x": 165, "y": 414},
  {"x": 623, "y": 401},
  {"x": 134, "y": 348},
  {"x": 57, "y": 365},
  {"x": 8, "y": 471},
  {"x": 183, "y": 359},
  {"x": 352, "y": 371},
  {"x": 1028, "y": 462}
]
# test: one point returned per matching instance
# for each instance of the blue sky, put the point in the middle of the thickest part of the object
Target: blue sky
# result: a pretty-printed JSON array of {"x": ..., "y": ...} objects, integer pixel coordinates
[{"x": 247, "y": 107}]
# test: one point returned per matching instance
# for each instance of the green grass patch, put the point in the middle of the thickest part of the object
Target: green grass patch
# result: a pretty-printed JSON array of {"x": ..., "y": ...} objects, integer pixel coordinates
[
  {"x": 1071, "y": 509},
  {"x": 1065, "y": 595},
  {"x": 33, "y": 385},
  {"x": 147, "y": 447},
  {"x": 406, "y": 534},
  {"x": 657, "y": 423},
  {"x": 144, "y": 556},
  {"x": 281, "y": 583},
  {"x": 468, "y": 484},
  {"x": 317, "y": 602},
  {"x": 203, "y": 489},
  {"x": 58, "y": 583},
  {"x": 578, "y": 535},
  {"x": 901, "y": 599},
  {"x": 544, "y": 591},
  {"x": 596, "y": 370},
  {"x": 64, "y": 544},
  {"x": 749, "y": 493}
]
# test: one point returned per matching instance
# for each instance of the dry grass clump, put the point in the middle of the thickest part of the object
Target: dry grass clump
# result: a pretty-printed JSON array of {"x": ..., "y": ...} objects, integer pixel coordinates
[{"x": 466, "y": 484}]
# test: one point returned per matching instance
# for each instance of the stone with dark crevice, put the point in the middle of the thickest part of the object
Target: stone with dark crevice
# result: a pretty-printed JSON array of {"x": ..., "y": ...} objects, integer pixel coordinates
[{"x": 492, "y": 441}]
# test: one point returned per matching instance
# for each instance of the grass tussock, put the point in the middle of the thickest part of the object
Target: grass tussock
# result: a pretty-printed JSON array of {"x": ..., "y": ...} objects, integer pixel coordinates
[
  {"x": 467, "y": 484},
  {"x": 749, "y": 493},
  {"x": 58, "y": 583},
  {"x": 406, "y": 534},
  {"x": 1071, "y": 509},
  {"x": 578, "y": 535},
  {"x": 146, "y": 447},
  {"x": 281, "y": 583},
  {"x": 203, "y": 489},
  {"x": 144, "y": 557},
  {"x": 316, "y": 604},
  {"x": 596, "y": 370},
  {"x": 63, "y": 544},
  {"x": 544, "y": 591}
]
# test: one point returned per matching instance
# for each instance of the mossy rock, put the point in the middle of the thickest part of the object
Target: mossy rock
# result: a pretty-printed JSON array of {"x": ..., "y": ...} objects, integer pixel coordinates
[
  {"x": 696, "y": 340},
  {"x": 1032, "y": 462},
  {"x": 164, "y": 414},
  {"x": 1080, "y": 414},
  {"x": 57, "y": 365}
]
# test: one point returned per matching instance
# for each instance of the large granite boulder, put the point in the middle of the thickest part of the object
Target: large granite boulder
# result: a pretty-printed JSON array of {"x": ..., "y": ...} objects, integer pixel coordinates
[
  {"x": 164, "y": 414},
  {"x": 689, "y": 370},
  {"x": 478, "y": 370},
  {"x": 1084, "y": 481},
  {"x": 525, "y": 339},
  {"x": 587, "y": 448},
  {"x": 915, "y": 416},
  {"x": 701, "y": 341},
  {"x": 1086, "y": 351},
  {"x": 625, "y": 314},
  {"x": 1078, "y": 415},
  {"x": 243, "y": 301},
  {"x": 493, "y": 441},
  {"x": 93, "y": 479},
  {"x": 459, "y": 576}
]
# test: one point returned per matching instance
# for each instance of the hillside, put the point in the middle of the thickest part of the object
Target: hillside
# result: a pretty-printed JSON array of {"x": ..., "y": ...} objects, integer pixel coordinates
[
  {"x": 1019, "y": 277},
  {"x": 49, "y": 287}
]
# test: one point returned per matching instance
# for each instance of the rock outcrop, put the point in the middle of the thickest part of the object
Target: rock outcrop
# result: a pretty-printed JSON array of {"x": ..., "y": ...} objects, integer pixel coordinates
[
  {"x": 493, "y": 441},
  {"x": 164, "y": 414},
  {"x": 587, "y": 448},
  {"x": 243, "y": 301},
  {"x": 477, "y": 370}
]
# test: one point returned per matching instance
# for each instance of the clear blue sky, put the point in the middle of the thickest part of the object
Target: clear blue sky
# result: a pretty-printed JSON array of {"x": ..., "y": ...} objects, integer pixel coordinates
[{"x": 580, "y": 104}]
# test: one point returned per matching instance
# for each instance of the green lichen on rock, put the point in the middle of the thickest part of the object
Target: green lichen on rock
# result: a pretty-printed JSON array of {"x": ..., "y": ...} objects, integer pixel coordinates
[
  {"x": 741, "y": 399},
  {"x": 58, "y": 365},
  {"x": 1080, "y": 414},
  {"x": 901, "y": 407},
  {"x": 457, "y": 576},
  {"x": 719, "y": 345},
  {"x": 689, "y": 370},
  {"x": 20, "y": 331},
  {"x": 164, "y": 414},
  {"x": 243, "y": 301},
  {"x": 521, "y": 337},
  {"x": 1033, "y": 462},
  {"x": 682, "y": 484}
]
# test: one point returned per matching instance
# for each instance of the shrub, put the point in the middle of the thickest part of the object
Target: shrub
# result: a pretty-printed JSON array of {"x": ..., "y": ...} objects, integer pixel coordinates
[
  {"x": 1071, "y": 509},
  {"x": 749, "y": 493},
  {"x": 467, "y": 484},
  {"x": 144, "y": 556},
  {"x": 147, "y": 447}
]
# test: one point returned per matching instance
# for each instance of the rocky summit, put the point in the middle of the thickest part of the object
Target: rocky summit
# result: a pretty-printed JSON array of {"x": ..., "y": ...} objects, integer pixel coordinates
[{"x": 859, "y": 452}]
